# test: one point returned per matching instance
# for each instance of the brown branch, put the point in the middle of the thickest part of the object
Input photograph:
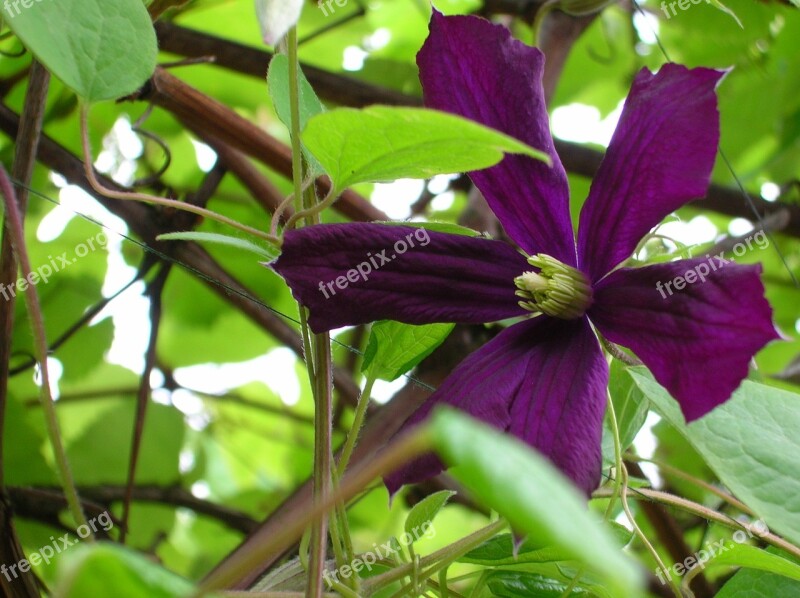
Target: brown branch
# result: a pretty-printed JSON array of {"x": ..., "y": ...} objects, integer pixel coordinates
[
  {"x": 558, "y": 34},
  {"x": 27, "y": 142},
  {"x": 337, "y": 88},
  {"x": 207, "y": 118},
  {"x": 46, "y": 503},
  {"x": 155, "y": 290}
]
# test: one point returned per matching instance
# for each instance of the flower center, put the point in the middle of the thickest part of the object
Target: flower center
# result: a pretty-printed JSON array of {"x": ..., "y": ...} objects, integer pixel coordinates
[{"x": 557, "y": 290}]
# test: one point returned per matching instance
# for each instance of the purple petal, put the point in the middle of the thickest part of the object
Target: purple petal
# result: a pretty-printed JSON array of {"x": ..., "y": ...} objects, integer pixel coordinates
[
  {"x": 473, "y": 68},
  {"x": 543, "y": 380},
  {"x": 697, "y": 341},
  {"x": 398, "y": 273},
  {"x": 561, "y": 411},
  {"x": 659, "y": 158}
]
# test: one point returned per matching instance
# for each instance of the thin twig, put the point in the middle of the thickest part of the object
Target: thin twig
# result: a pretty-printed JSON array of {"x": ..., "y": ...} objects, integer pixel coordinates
[
  {"x": 40, "y": 347},
  {"x": 152, "y": 199}
]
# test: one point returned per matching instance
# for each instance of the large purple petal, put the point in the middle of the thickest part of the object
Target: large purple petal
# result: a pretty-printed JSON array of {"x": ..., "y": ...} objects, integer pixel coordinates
[
  {"x": 473, "y": 68},
  {"x": 441, "y": 278},
  {"x": 659, "y": 158},
  {"x": 697, "y": 340},
  {"x": 543, "y": 380},
  {"x": 561, "y": 411}
]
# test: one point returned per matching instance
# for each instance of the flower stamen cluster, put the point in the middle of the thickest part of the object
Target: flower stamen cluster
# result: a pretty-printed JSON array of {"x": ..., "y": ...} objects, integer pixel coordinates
[{"x": 557, "y": 290}]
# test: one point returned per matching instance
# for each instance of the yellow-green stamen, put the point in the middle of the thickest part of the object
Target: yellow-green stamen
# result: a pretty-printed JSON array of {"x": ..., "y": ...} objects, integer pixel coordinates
[{"x": 557, "y": 290}]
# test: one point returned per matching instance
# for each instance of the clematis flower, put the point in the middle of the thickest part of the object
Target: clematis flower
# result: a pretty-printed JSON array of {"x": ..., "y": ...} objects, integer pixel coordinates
[{"x": 544, "y": 378}]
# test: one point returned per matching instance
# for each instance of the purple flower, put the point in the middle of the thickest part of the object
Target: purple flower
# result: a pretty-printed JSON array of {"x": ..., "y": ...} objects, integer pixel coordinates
[{"x": 544, "y": 379}]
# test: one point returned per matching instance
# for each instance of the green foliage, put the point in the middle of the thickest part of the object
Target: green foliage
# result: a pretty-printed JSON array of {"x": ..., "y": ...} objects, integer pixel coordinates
[
  {"x": 422, "y": 514},
  {"x": 630, "y": 407},
  {"x": 264, "y": 252},
  {"x": 383, "y": 143},
  {"x": 541, "y": 503},
  {"x": 101, "y": 50},
  {"x": 309, "y": 104},
  {"x": 113, "y": 570},
  {"x": 519, "y": 584},
  {"x": 743, "y": 555},
  {"x": 752, "y": 583},
  {"x": 750, "y": 442},
  {"x": 394, "y": 348}
]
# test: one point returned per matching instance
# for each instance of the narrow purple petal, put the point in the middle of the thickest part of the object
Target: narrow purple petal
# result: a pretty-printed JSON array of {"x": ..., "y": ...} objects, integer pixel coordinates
[
  {"x": 544, "y": 381},
  {"x": 659, "y": 158},
  {"x": 349, "y": 274},
  {"x": 696, "y": 340},
  {"x": 473, "y": 68}
]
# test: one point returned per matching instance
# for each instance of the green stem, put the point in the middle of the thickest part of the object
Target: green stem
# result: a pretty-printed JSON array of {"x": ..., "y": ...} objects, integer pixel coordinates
[
  {"x": 350, "y": 441},
  {"x": 678, "y": 473},
  {"x": 321, "y": 375},
  {"x": 314, "y": 210},
  {"x": 623, "y": 472},
  {"x": 340, "y": 532},
  {"x": 152, "y": 199},
  {"x": 701, "y": 511},
  {"x": 355, "y": 429},
  {"x": 17, "y": 232},
  {"x": 444, "y": 591},
  {"x": 344, "y": 590},
  {"x": 618, "y": 464},
  {"x": 266, "y": 547},
  {"x": 441, "y": 559}
]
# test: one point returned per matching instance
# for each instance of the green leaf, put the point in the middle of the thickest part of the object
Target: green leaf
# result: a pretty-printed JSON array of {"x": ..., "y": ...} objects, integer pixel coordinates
[
  {"x": 631, "y": 408},
  {"x": 394, "y": 348},
  {"x": 519, "y": 584},
  {"x": 267, "y": 252},
  {"x": 423, "y": 513},
  {"x": 750, "y": 442},
  {"x": 98, "y": 456},
  {"x": 499, "y": 551},
  {"x": 309, "y": 105},
  {"x": 437, "y": 227},
  {"x": 105, "y": 569},
  {"x": 727, "y": 11},
  {"x": 752, "y": 583},
  {"x": 520, "y": 484},
  {"x": 383, "y": 143},
  {"x": 744, "y": 555},
  {"x": 103, "y": 50}
]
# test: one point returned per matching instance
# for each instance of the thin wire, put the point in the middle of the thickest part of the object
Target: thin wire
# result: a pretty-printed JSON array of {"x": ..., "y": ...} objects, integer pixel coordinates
[
  {"x": 748, "y": 200},
  {"x": 201, "y": 275}
]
